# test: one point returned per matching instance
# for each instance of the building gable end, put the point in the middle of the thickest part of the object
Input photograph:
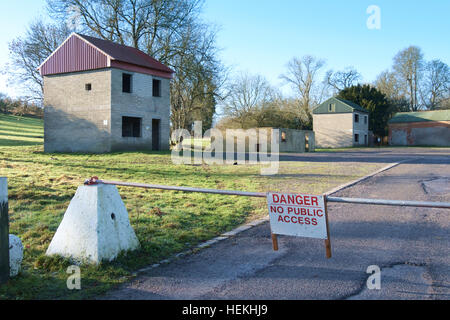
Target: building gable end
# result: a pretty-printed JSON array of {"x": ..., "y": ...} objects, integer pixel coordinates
[{"x": 73, "y": 55}]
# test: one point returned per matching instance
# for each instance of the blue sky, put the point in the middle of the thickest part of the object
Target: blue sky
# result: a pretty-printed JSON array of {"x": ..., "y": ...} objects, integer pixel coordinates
[{"x": 261, "y": 36}]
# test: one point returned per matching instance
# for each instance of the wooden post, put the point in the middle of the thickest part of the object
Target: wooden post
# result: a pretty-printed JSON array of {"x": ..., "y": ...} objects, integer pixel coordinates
[
  {"x": 275, "y": 242},
  {"x": 4, "y": 231},
  {"x": 327, "y": 241}
]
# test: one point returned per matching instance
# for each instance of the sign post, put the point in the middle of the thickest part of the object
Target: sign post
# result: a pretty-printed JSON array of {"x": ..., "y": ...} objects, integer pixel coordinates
[
  {"x": 275, "y": 242},
  {"x": 300, "y": 215},
  {"x": 4, "y": 231}
]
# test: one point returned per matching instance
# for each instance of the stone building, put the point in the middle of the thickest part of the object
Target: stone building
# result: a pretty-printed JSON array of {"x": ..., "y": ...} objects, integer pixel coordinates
[
  {"x": 423, "y": 128},
  {"x": 339, "y": 123},
  {"x": 100, "y": 96}
]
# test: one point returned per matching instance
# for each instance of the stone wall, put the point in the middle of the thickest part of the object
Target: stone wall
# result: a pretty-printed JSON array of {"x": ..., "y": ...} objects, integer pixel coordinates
[{"x": 295, "y": 140}]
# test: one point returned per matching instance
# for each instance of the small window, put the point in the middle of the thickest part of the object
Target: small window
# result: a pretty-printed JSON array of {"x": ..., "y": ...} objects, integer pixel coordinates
[
  {"x": 156, "y": 88},
  {"x": 126, "y": 82},
  {"x": 365, "y": 119},
  {"x": 356, "y": 118},
  {"x": 131, "y": 127},
  {"x": 88, "y": 86},
  {"x": 356, "y": 137},
  {"x": 283, "y": 136},
  {"x": 332, "y": 107}
]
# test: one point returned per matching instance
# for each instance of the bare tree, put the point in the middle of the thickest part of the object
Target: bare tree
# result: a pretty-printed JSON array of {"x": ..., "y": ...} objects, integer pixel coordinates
[
  {"x": 408, "y": 68},
  {"x": 341, "y": 80},
  {"x": 246, "y": 95},
  {"x": 154, "y": 26},
  {"x": 303, "y": 75},
  {"x": 387, "y": 84},
  {"x": 436, "y": 87},
  {"x": 198, "y": 81},
  {"x": 28, "y": 52}
]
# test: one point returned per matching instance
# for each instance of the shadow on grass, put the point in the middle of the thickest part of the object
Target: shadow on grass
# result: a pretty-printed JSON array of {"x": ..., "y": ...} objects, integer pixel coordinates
[{"x": 18, "y": 143}]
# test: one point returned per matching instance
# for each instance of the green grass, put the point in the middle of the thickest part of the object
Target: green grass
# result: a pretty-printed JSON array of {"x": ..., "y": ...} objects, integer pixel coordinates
[
  {"x": 20, "y": 131},
  {"x": 42, "y": 185}
]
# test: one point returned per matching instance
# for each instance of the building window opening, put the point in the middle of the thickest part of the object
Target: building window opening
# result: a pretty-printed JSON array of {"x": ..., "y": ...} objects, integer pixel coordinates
[
  {"x": 88, "y": 86},
  {"x": 356, "y": 137},
  {"x": 356, "y": 118},
  {"x": 156, "y": 88},
  {"x": 283, "y": 136},
  {"x": 126, "y": 83},
  {"x": 131, "y": 127}
]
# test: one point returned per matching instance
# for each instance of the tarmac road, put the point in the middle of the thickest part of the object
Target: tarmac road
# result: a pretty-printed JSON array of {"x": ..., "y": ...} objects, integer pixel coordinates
[{"x": 410, "y": 245}]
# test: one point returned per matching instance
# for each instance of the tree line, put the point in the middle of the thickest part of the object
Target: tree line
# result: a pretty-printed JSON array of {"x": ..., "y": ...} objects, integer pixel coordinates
[
  {"x": 412, "y": 84},
  {"x": 19, "y": 107},
  {"x": 172, "y": 32}
]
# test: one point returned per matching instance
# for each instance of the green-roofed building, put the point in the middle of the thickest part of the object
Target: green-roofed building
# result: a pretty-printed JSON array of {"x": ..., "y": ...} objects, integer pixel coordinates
[
  {"x": 422, "y": 128},
  {"x": 340, "y": 123}
]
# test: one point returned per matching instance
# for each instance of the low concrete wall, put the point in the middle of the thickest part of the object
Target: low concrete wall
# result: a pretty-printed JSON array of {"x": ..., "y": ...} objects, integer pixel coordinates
[
  {"x": 294, "y": 140},
  {"x": 297, "y": 140}
]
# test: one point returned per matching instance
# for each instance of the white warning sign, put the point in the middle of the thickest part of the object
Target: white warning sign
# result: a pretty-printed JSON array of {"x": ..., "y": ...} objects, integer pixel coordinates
[{"x": 300, "y": 215}]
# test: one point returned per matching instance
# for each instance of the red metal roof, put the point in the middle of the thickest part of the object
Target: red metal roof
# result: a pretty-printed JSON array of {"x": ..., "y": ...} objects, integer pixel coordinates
[
  {"x": 81, "y": 52},
  {"x": 72, "y": 56}
]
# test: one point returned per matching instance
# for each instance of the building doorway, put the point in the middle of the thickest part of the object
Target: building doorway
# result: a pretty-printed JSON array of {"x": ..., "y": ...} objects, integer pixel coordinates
[{"x": 155, "y": 134}]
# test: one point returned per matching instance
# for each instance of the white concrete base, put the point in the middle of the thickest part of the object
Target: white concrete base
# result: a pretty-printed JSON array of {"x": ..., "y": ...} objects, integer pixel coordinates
[
  {"x": 15, "y": 255},
  {"x": 95, "y": 226}
]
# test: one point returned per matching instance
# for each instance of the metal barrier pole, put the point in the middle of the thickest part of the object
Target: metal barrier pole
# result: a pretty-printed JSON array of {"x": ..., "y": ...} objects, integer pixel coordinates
[
  {"x": 384, "y": 202},
  {"x": 401, "y": 203},
  {"x": 4, "y": 231},
  {"x": 186, "y": 189}
]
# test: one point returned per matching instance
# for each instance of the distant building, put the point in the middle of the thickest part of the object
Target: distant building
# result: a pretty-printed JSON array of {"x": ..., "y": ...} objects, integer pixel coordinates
[
  {"x": 339, "y": 123},
  {"x": 423, "y": 128},
  {"x": 100, "y": 96}
]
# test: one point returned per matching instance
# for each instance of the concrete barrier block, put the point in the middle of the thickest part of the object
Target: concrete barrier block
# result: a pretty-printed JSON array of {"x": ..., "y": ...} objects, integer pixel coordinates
[
  {"x": 15, "y": 255},
  {"x": 95, "y": 226}
]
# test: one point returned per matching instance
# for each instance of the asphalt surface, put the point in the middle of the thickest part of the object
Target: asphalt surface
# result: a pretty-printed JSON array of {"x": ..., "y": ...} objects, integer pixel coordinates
[{"x": 409, "y": 245}]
